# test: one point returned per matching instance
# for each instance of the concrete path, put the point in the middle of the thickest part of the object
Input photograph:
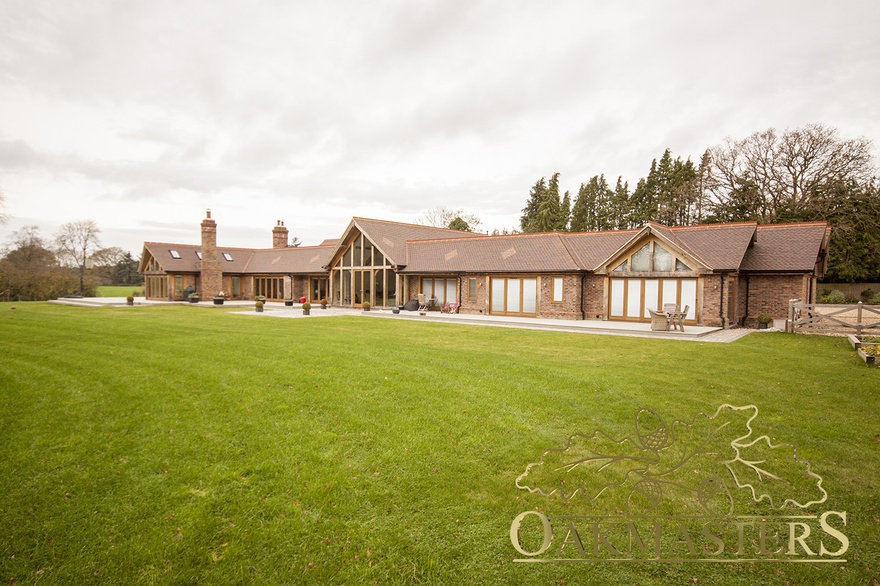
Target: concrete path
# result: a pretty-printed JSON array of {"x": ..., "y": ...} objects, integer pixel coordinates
[{"x": 612, "y": 328}]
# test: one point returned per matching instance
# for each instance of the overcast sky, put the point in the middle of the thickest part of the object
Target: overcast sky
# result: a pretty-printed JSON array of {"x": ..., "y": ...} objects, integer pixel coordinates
[{"x": 141, "y": 114}]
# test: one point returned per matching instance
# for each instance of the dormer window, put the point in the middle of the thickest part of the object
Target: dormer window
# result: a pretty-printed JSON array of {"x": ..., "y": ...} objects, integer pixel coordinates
[
  {"x": 174, "y": 254},
  {"x": 227, "y": 256}
]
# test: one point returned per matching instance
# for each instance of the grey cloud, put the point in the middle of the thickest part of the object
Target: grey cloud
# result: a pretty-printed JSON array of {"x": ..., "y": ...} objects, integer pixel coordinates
[{"x": 15, "y": 155}]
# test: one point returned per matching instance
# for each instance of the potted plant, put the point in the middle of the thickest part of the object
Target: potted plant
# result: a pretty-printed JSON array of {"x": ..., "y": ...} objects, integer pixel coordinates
[
  {"x": 261, "y": 298},
  {"x": 764, "y": 320},
  {"x": 288, "y": 303},
  {"x": 367, "y": 305},
  {"x": 219, "y": 298},
  {"x": 323, "y": 303},
  {"x": 129, "y": 300},
  {"x": 870, "y": 354},
  {"x": 306, "y": 307},
  {"x": 193, "y": 297},
  {"x": 259, "y": 306}
]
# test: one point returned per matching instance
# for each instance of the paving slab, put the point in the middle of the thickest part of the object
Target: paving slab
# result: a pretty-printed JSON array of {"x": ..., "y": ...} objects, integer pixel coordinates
[{"x": 601, "y": 327}]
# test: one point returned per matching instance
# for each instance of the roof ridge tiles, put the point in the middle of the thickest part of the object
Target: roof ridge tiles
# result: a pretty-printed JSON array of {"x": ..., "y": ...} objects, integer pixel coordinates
[
  {"x": 361, "y": 218},
  {"x": 792, "y": 225},
  {"x": 712, "y": 226}
]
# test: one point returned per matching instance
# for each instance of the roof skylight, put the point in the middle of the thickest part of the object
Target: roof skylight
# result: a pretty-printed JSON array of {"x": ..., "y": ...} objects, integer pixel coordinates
[{"x": 174, "y": 254}]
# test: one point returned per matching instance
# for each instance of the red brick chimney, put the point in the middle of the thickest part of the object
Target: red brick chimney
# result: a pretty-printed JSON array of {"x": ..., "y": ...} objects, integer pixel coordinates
[
  {"x": 211, "y": 277},
  {"x": 279, "y": 235}
]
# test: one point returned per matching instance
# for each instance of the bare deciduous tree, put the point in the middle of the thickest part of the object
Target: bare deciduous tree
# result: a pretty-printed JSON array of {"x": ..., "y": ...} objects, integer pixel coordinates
[
  {"x": 770, "y": 176},
  {"x": 3, "y": 217},
  {"x": 76, "y": 243},
  {"x": 443, "y": 217}
]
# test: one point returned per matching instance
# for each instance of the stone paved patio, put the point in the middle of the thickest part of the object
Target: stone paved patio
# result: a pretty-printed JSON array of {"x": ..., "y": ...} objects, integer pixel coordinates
[{"x": 612, "y": 328}]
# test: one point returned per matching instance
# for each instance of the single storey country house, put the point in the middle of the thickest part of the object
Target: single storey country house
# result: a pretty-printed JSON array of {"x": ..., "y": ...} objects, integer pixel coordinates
[{"x": 726, "y": 274}]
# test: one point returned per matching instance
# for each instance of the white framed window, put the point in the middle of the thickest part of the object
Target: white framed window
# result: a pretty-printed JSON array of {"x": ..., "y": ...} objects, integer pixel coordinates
[{"x": 557, "y": 289}]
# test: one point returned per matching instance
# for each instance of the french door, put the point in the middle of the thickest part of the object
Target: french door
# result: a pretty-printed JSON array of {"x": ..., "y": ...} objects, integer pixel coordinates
[{"x": 630, "y": 299}]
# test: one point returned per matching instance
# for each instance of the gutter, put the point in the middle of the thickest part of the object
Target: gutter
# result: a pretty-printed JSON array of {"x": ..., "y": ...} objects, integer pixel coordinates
[{"x": 721, "y": 300}]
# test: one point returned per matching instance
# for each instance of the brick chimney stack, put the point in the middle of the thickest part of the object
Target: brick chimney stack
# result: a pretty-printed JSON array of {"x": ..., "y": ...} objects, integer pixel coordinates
[
  {"x": 211, "y": 277},
  {"x": 279, "y": 236}
]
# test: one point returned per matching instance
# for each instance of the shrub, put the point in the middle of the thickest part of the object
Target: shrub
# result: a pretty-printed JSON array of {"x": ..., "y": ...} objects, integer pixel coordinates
[
  {"x": 306, "y": 306},
  {"x": 867, "y": 295},
  {"x": 765, "y": 318},
  {"x": 834, "y": 297}
]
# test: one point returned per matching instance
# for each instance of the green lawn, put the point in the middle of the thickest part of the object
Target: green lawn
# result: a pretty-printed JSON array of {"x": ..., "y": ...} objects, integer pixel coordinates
[{"x": 193, "y": 445}]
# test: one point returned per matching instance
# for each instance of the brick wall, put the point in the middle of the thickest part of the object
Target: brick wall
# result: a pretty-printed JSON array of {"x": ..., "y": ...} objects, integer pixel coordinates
[
  {"x": 594, "y": 301},
  {"x": 713, "y": 301},
  {"x": 480, "y": 305},
  {"x": 569, "y": 308},
  {"x": 771, "y": 294}
]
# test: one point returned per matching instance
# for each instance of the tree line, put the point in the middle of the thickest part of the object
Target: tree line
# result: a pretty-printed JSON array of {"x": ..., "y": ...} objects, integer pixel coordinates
[
  {"x": 806, "y": 174},
  {"x": 73, "y": 262}
]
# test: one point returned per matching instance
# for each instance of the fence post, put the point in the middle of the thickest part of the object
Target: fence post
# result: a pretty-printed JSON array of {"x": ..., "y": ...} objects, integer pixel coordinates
[{"x": 859, "y": 319}]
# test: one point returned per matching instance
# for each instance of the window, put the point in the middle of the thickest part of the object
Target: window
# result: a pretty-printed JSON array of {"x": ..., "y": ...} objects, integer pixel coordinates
[
  {"x": 662, "y": 259},
  {"x": 441, "y": 290},
  {"x": 269, "y": 287},
  {"x": 174, "y": 254},
  {"x": 652, "y": 257},
  {"x": 199, "y": 254},
  {"x": 227, "y": 256},
  {"x": 514, "y": 296},
  {"x": 630, "y": 298},
  {"x": 472, "y": 288},
  {"x": 641, "y": 259},
  {"x": 557, "y": 289}
]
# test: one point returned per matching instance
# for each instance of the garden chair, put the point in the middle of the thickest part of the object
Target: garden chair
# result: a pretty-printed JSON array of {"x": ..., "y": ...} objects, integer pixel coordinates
[
  {"x": 450, "y": 307},
  {"x": 678, "y": 318},
  {"x": 423, "y": 303},
  {"x": 659, "y": 320}
]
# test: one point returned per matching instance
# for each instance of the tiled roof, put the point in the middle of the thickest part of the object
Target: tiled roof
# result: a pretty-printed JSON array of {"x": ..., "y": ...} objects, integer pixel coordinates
[
  {"x": 299, "y": 260},
  {"x": 520, "y": 253},
  {"x": 786, "y": 247},
  {"x": 391, "y": 237},
  {"x": 720, "y": 246},
  {"x": 294, "y": 260},
  {"x": 591, "y": 249},
  {"x": 427, "y": 250},
  {"x": 188, "y": 261}
]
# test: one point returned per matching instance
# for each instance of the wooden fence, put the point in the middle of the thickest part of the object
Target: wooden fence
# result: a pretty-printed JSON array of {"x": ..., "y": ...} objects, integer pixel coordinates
[{"x": 821, "y": 318}]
